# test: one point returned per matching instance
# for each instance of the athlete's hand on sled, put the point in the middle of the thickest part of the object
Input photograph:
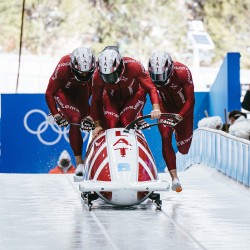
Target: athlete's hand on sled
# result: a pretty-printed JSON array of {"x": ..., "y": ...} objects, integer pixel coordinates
[
  {"x": 98, "y": 128},
  {"x": 96, "y": 131},
  {"x": 87, "y": 123},
  {"x": 155, "y": 113},
  {"x": 61, "y": 121},
  {"x": 142, "y": 125}
]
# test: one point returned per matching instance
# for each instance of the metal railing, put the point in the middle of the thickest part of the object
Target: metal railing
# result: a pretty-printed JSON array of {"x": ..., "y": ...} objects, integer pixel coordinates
[{"x": 222, "y": 151}]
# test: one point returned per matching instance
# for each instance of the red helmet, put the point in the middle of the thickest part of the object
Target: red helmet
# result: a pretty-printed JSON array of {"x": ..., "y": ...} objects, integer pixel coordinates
[
  {"x": 160, "y": 67},
  {"x": 110, "y": 65},
  {"x": 82, "y": 63}
]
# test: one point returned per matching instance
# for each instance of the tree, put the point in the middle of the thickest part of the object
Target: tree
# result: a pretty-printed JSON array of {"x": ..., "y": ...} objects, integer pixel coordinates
[{"x": 138, "y": 27}]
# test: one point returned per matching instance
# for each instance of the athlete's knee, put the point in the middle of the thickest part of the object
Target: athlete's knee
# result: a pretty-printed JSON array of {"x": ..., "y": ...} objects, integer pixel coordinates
[
  {"x": 184, "y": 150},
  {"x": 165, "y": 131},
  {"x": 184, "y": 145}
]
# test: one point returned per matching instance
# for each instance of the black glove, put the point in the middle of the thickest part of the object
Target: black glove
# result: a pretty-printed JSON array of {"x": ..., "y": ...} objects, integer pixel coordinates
[
  {"x": 61, "y": 121},
  {"x": 173, "y": 121},
  {"x": 87, "y": 124},
  {"x": 178, "y": 118},
  {"x": 142, "y": 125}
]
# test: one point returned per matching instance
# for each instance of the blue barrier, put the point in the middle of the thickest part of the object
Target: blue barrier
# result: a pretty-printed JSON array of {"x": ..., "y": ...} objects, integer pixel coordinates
[
  {"x": 29, "y": 144},
  {"x": 225, "y": 91},
  {"x": 217, "y": 149}
]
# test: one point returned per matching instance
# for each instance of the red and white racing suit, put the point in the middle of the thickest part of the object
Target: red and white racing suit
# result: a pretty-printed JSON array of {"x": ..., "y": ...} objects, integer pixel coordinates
[
  {"x": 72, "y": 98},
  {"x": 177, "y": 97},
  {"x": 122, "y": 102}
]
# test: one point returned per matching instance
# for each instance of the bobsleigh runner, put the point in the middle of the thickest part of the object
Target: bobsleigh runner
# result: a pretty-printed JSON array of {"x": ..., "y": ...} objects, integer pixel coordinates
[{"x": 120, "y": 168}]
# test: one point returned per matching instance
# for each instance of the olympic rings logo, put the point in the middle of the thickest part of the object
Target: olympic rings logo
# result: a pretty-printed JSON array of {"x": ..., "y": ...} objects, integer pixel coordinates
[{"x": 45, "y": 125}]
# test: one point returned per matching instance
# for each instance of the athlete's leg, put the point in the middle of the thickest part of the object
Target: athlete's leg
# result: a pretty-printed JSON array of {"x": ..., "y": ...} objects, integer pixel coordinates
[
  {"x": 111, "y": 111},
  {"x": 169, "y": 154},
  {"x": 184, "y": 134},
  {"x": 69, "y": 107},
  {"x": 167, "y": 149},
  {"x": 133, "y": 107}
]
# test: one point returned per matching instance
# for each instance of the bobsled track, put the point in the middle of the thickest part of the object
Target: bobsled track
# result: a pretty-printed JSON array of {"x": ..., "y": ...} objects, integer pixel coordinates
[{"x": 47, "y": 212}]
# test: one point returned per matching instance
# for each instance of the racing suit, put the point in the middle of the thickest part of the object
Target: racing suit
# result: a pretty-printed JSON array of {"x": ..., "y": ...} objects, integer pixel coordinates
[
  {"x": 177, "y": 97},
  {"x": 122, "y": 102},
  {"x": 71, "y": 97}
]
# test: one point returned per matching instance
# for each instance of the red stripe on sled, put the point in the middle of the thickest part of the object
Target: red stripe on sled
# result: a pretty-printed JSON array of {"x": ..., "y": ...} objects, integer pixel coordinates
[
  {"x": 96, "y": 144},
  {"x": 145, "y": 145},
  {"x": 143, "y": 174},
  {"x": 100, "y": 158},
  {"x": 104, "y": 174},
  {"x": 147, "y": 161}
]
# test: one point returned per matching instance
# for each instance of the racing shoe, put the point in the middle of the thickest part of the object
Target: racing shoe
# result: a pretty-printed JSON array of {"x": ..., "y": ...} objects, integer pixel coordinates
[
  {"x": 79, "y": 173},
  {"x": 176, "y": 185}
]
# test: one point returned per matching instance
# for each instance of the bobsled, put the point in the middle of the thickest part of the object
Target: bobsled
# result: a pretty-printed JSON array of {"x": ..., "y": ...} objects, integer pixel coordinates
[{"x": 120, "y": 168}]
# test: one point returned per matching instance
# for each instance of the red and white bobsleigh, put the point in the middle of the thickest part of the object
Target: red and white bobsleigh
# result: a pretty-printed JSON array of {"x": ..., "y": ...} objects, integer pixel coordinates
[{"x": 120, "y": 169}]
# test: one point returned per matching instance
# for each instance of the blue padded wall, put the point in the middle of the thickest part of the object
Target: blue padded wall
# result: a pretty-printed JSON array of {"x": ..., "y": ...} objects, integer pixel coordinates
[{"x": 225, "y": 92}]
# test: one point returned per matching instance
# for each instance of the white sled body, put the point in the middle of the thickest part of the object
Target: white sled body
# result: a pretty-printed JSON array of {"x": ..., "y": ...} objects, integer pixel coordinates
[{"x": 120, "y": 168}]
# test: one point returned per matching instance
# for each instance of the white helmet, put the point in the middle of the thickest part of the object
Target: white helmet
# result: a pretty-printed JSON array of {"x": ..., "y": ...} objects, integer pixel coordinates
[
  {"x": 82, "y": 63},
  {"x": 160, "y": 68},
  {"x": 110, "y": 65}
]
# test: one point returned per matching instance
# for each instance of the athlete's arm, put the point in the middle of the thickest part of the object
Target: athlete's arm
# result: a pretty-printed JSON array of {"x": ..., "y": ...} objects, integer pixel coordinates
[
  {"x": 96, "y": 102},
  {"x": 52, "y": 89}
]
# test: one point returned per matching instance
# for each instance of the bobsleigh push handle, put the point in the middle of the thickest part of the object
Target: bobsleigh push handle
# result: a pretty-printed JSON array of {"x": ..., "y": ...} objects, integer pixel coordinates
[{"x": 170, "y": 121}]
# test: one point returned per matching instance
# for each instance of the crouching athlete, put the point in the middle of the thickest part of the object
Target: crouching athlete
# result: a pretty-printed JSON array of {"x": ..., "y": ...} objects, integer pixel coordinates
[
  {"x": 176, "y": 91},
  {"x": 69, "y": 89}
]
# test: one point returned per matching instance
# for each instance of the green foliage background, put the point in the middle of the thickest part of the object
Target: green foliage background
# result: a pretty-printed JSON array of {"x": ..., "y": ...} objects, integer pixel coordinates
[{"x": 138, "y": 27}]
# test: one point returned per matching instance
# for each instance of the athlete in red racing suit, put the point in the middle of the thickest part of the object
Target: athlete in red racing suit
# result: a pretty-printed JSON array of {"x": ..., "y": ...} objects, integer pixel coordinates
[
  {"x": 119, "y": 87},
  {"x": 69, "y": 89},
  {"x": 176, "y": 90}
]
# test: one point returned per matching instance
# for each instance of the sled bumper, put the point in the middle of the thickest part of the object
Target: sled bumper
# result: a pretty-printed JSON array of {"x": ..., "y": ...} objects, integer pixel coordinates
[{"x": 105, "y": 186}]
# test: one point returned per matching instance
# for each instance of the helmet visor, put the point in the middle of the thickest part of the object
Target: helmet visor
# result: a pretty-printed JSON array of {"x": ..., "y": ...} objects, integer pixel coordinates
[
  {"x": 110, "y": 78},
  {"x": 158, "y": 77},
  {"x": 82, "y": 76},
  {"x": 161, "y": 79},
  {"x": 113, "y": 77}
]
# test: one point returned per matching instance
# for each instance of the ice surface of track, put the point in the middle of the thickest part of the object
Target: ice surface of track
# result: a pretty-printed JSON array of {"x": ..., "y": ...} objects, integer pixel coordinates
[{"x": 46, "y": 212}]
